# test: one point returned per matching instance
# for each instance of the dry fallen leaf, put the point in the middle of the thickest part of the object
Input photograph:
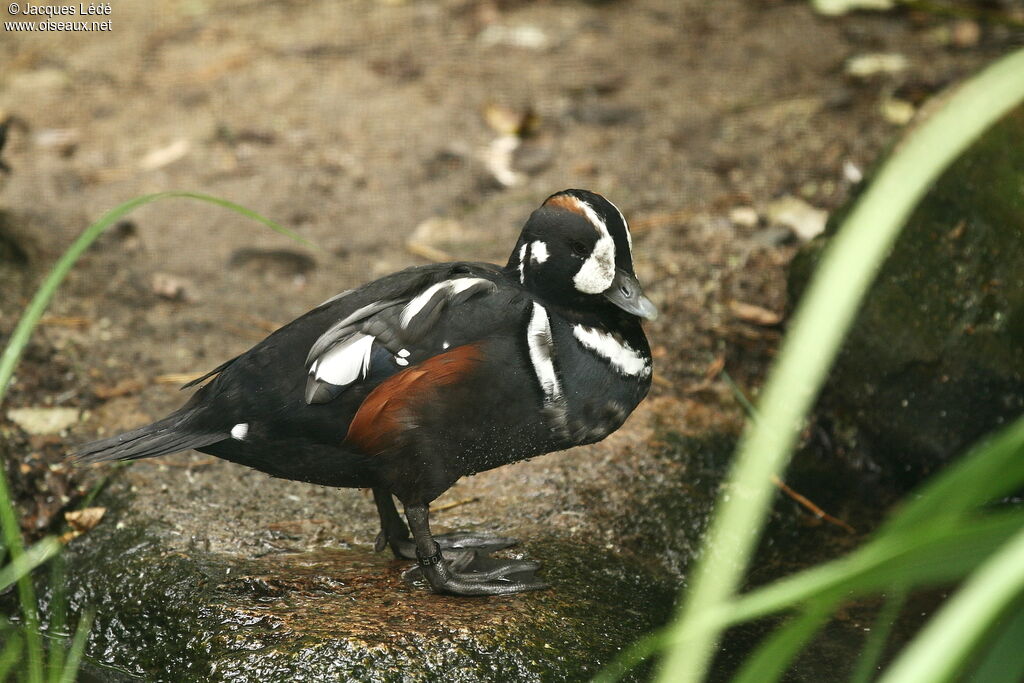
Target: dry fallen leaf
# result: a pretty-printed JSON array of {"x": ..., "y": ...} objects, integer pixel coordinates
[
  {"x": 754, "y": 314},
  {"x": 171, "y": 287},
  {"x": 125, "y": 387},
  {"x": 163, "y": 156},
  {"x": 85, "y": 519}
]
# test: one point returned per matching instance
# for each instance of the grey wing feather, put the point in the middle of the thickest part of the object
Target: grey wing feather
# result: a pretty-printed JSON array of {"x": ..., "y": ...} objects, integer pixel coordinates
[{"x": 392, "y": 325}]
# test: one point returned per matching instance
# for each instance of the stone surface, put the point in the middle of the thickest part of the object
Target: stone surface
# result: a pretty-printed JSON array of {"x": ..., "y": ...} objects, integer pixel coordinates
[
  {"x": 203, "y": 568},
  {"x": 936, "y": 356}
]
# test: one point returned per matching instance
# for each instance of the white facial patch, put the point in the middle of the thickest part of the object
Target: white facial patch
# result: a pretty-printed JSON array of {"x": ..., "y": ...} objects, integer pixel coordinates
[
  {"x": 538, "y": 252},
  {"x": 346, "y": 362},
  {"x": 598, "y": 271},
  {"x": 542, "y": 349},
  {"x": 239, "y": 431},
  {"x": 621, "y": 355}
]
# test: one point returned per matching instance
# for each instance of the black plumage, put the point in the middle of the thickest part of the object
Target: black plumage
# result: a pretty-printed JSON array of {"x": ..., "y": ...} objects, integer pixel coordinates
[{"x": 412, "y": 381}]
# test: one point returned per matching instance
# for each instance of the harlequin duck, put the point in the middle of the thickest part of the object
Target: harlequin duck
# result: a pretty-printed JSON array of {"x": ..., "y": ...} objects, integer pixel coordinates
[{"x": 412, "y": 381}]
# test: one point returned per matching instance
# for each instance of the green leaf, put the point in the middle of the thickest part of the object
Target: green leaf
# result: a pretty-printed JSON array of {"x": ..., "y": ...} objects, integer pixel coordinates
[
  {"x": 821, "y": 320},
  {"x": 772, "y": 657},
  {"x": 946, "y": 642},
  {"x": 29, "y": 560},
  {"x": 74, "y": 660},
  {"x": 874, "y": 648},
  {"x": 9, "y": 360}
]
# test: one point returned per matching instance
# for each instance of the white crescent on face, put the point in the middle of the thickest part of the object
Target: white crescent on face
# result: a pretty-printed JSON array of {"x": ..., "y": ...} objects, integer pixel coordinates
[{"x": 598, "y": 271}]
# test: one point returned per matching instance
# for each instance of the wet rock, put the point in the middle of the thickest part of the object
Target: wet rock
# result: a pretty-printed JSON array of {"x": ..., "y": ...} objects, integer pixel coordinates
[
  {"x": 936, "y": 356},
  {"x": 180, "y": 591},
  {"x": 282, "y": 262}
]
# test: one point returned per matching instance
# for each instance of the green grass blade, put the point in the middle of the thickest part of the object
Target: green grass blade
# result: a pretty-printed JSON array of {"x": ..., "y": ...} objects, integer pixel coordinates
[
  {"x": 874, "y": 648},
  {"x": 631, "y": 656},
  {"x": 29, "y": 560},
  {"x": 1003, "y": 660},
  {"x": 9, "y": 360},
  {"x": 60, "y": 269},
  {"x": 58, "y": 619},
  {"x": 940, "y": 556},
  {"x": 944, "y": 644},
  {"x": 77, "y": 648},
  {"x": 772, "y": 657},
  {"x": 993, "y": 468},
  {"x": 822, "y": 319},
  {"x": 10, "y": 656}
]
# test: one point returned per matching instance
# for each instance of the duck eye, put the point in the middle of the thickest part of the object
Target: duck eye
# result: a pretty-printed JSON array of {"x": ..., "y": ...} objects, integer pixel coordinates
[{"x": 579, "y": 248}]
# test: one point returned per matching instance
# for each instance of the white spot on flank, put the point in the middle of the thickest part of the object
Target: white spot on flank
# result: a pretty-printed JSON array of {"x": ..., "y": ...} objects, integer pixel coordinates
[
  {"x": 403, "y": 353},
  {"x": 598, "y": 271},
  {"x": 539, "y": 252},
  {"x": 621, "y": 355},
  {"x": 239, "y": 431},
  {"x": 346, "y": 362},
  {"x": 402, "y": 361},
  {"x": 445, "y": 345},
  {"x": 542, "y": 350}
]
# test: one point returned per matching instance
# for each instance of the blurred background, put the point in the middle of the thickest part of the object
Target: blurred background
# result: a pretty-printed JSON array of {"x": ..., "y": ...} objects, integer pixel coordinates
[{"x": 397, "y": 132}]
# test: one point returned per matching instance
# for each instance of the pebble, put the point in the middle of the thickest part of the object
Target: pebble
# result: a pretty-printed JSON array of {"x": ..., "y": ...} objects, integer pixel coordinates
[{"x": 42, "y": 421}]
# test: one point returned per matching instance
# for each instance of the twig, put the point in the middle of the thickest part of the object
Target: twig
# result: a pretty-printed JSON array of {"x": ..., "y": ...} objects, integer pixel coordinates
[
  {"x": 178, "y": 377},
  {"x": 802, "y": 500},
  {"x": 455, "y": 504},
  {"x": 65, "y": 321},
  {"x": 809, "y": 504}
]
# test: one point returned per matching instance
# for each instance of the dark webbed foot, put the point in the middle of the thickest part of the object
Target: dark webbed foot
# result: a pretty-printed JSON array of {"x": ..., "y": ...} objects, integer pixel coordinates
[
  {"x": 465, "y": 567},
  {"x": 405, "y": 548},
  {"x": 394, "y": 534},
  {"x": 471, "y": 572}
]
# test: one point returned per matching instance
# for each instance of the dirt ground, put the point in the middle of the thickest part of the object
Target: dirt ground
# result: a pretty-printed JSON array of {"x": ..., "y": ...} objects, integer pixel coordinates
[
  {"x": 372, "y": 128},
  {"x": 357, "y": 123}
]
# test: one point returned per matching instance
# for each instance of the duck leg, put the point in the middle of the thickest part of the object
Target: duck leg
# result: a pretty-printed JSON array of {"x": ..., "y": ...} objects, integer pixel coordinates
[
  {"x": 467, "y": 572},
  {"x": 395, "y": 534}
]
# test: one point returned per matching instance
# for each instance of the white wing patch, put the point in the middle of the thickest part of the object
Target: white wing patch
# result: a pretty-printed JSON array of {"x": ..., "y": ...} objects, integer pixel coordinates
[
  {"x": 542, "y": 350},
  {"x": 450, "y": 287},
  {"x": 621, "y": 355},
  {"x": 346, "y": 362},
  {"x": 598, "y": 271}
]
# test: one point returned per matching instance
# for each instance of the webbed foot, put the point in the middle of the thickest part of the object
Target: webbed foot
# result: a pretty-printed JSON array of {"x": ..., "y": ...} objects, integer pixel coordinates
[
  {"x": 460, "y": 564},
  {"x": 474, "y": 572}
]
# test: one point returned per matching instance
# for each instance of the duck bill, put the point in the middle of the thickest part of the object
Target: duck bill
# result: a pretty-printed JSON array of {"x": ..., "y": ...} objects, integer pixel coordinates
[{"x": 627, "y": 294}]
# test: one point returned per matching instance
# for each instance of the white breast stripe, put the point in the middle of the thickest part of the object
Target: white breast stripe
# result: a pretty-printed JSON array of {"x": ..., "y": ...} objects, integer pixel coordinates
[
  {"x": 346, "y": 362},
  {"x": 621, "y": 355},
  {"x": 522, "y": 263},
  {"x": 541, "y": 356},
  {"x": 598, "y": 271}
]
